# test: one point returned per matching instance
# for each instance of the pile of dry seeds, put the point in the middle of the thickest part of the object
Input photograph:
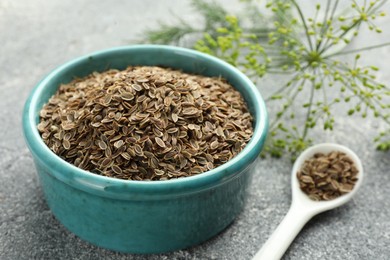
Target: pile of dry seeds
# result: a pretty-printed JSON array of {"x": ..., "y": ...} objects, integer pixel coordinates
[
  {"x": 327, "y": 176},
  {"x": 146, "y": 123}
]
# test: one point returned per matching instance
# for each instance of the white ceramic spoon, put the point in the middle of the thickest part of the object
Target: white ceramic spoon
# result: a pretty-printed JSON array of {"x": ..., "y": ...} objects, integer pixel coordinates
[{"x": 302, "y": 207}]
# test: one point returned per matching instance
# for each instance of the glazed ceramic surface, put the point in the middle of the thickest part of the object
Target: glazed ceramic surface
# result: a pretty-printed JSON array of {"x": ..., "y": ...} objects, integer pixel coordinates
[{"x": 144, "y": 216}]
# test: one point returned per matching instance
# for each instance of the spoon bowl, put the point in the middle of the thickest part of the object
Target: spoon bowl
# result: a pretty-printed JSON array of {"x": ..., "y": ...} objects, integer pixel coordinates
[
  {"x": 298, "y": 196},
  {"x": 302, "y": 207}
]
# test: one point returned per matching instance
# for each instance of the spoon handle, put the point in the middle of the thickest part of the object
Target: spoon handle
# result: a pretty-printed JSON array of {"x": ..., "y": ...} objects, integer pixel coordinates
[{"x": 284, "y": 234}]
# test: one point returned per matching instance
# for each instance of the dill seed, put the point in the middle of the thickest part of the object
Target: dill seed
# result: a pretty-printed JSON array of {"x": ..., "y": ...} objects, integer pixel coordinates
[
  {"x": 175, "y": 118},
  {"x": 147, "y": 123},
  {"x": 160, "y": 142},
  {"x": 102, "y": 145},
  {"x": 327, "y": 176}
]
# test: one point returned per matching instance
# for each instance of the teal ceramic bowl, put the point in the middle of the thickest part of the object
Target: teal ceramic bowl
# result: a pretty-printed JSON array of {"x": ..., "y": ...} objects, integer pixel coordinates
[{"x": 141, "y": 216}]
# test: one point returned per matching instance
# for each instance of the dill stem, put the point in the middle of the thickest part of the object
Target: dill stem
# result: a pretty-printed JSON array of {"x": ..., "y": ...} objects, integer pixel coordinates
[
  {"x": 331, "y": 17},
  {"x": 324, "y": 26},
  {"x": 292, "y": 98},
  {"x": 304, "y": 23},
  {"x": 358, "y": 50},
  {"x": 305, "y": 130}
]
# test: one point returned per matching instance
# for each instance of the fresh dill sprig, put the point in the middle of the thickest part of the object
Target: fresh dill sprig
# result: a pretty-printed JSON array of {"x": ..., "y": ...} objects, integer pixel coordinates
[
  {"x": 183, "y": 33},
  {"x": 309, "y": 51},
  {"x": 213, "y": 18},
  {"x": 312, "y": 50}
]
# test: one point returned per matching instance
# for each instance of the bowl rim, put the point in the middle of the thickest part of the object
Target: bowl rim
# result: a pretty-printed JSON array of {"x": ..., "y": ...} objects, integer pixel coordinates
[{"x": 99, "y": 183}]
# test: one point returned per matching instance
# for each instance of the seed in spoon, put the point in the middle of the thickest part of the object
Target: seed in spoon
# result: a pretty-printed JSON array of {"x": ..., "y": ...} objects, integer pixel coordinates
[{"x": 327, "y": 176}]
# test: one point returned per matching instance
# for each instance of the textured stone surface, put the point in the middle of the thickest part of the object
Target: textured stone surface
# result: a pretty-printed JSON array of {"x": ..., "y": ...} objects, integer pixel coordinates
[{"x": 36, "y": 36}]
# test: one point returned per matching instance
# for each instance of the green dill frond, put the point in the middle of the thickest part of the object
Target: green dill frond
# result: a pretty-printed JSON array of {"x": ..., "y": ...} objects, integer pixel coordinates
[
  {"x": 169, "y": 34},
  {"x": 305, "y": 48}
]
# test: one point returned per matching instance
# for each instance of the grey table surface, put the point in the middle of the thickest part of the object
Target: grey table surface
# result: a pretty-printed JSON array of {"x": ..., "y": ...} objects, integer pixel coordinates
[{"x": 37, "y": 36}]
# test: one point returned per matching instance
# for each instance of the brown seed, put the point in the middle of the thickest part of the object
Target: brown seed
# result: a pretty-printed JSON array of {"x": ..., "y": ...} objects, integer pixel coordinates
[
  {"x": 190, "y": 111},
  {"x": 194, "y": 144},
  {"x": 110, "y": 132},
  {"x": 107, "y": 99},
  {"x": 327, "y": 176},
  {"x": 214, "y": 144},
  {"x": 102, "y": 145},
  {"x": 169, "y": 155},
  {"x": 197, "y": 170},
  {"x": 345, "y": 187},
  {"x": 142, "y": 80},
  {"x": 108, "y": 152},
  {"x": 136, "y": 87},
  {"x": 66, "y": 144},
  {"x": 183, "y": 162},
  {"x": 172, "y": 130},
  {"x": 66, "y": 136},
  {"x": 219, "y": 131},
  {"x": 159, "y": 172},
  {"x": 157, "y": 132},
  {"x": 154, "y": 162},
  {"x": 307, "y": 179},
  {"x": 138, "y": 150},
  {"x": 209, "y": 166},
  {"x": 106, "y": 162},
  {"x": 167, "y": 101},
  {"x": 209, "y": 157},
  {"x": 160, "y": 142},
  {"x": 127, "y": 96},
  {"x": 126, "y": 156},
  {"x": 118, "y": 144},
  {"x": 148, "y": 154},
  {"x": 116, "y": 169},
  {"x": 147, "y": 123},
  {"x": 68, "y": 126},
  {"x": 175, "y": 118},
  {"x": 191, "y": 127}
]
